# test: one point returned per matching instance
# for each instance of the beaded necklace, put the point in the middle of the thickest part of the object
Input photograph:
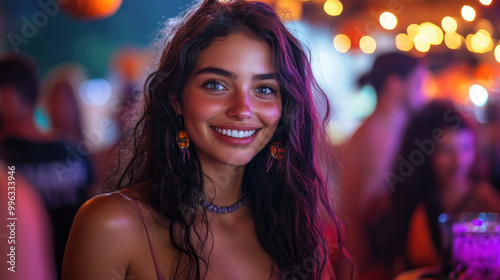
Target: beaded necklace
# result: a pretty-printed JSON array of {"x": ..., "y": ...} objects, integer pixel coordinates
[{"x": 221, "y": 209}]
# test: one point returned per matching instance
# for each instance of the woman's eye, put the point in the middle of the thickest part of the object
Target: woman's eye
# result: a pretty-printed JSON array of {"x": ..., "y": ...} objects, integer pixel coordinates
[
  {"x": 265, "y": 90},
  {"x": 214, "y": 86}
]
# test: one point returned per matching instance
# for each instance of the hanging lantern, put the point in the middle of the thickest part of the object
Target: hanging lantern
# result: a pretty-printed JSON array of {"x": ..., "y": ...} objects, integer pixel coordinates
[{"x": 91, "y": 9}]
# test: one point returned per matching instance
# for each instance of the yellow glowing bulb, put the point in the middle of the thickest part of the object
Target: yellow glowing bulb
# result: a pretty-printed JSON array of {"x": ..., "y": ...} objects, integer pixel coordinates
[
  {"x": 333, "y": 7},
  {"x": 468, "y": 13},
  {"x": 403, "y": 42},
  {"x": 453, "y": 41},
  {"x": 497, "y": 53},
  {"x": 367, "y": 44},
  {"x": 431, "y": 33},
  {"x": 342, "y": 43},
  {"x": 486, "y": 2},
  {"x": 421, "y": 43},
  {"x": 468, "y": 42},
  {"x": 412, "y": 30},
  {"x": 449, "y": 24},
  {"x": 388, "y": 20},
  {"x": 481, "y": 42}
]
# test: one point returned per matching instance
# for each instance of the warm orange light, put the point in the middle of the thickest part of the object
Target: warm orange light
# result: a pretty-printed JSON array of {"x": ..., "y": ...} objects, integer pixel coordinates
[
  {"x": 388, "y": 20},
  {"x": 342, "y": 43},
  {"x": 453, "y": 40},
  {"x": 497, "y": 53},
  {"x": 421, "y": 43},
  {"x": 449, "y": 24},
  {"x": 292, "y": 8},
  {"x": 468, "y": 13},
  {"x": 412, "y": 30},
  {"x": 333, "y": 7},
  {"x": 403, "y": 42},
  {"x": 367, "y": 44},
  {"x": 90, "y": 9}
]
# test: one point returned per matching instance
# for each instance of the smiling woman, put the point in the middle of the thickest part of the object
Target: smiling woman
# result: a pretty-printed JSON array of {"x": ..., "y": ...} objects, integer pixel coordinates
[{"x": 233, "y": 90}]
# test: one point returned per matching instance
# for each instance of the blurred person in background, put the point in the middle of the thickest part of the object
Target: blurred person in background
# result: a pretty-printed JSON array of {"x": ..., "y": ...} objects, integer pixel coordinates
[
  {"x": 58, "y": 171},
  {"x": 492, "y": 147},
  {"x": 398, "y": 80},
  {"x": 59, "y": 98},
  {"x": 436, "y": 173},
  {"x": 32, "y": 239}
]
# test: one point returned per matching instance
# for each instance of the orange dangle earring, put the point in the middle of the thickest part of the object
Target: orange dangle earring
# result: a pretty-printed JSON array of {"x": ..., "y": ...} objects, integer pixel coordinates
[
  {"x": 276, "y": 152},
  {"x": 183, "y": 142}
]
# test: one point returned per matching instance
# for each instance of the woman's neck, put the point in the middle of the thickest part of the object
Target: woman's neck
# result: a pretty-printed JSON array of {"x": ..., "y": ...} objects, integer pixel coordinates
[
  {"x": 222, "y": 183},
  {"x": 452, "y": 194}
]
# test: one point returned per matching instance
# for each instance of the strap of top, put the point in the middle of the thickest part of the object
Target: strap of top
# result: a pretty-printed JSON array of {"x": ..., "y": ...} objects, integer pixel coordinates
[{"x": 158, "y": 272}]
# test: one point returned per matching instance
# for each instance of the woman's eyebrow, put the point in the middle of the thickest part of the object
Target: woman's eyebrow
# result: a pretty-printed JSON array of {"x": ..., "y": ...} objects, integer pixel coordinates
[
  {"x": 267, "y": 76},
  {"x": 217, "y": 71},
  {"x": 232, "y": 75}
]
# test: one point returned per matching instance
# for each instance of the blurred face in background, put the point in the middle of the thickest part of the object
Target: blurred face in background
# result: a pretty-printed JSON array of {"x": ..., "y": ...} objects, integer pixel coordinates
[
  {"x": 414, "y": 91},
  {"x": 454, "y": 156}
]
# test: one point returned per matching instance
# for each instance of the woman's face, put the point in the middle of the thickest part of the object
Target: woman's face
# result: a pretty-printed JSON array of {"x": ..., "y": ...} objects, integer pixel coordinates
[
  {"x": 454, "y": 156},
  {"x": 232, "y": 101}
]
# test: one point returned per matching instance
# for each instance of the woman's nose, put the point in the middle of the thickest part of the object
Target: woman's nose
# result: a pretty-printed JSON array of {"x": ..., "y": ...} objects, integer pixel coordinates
[{"x": 240, "y": 106}]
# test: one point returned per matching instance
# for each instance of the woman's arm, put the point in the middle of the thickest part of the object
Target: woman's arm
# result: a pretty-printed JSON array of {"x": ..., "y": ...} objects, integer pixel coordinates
[{"x": 102, "y": 241}]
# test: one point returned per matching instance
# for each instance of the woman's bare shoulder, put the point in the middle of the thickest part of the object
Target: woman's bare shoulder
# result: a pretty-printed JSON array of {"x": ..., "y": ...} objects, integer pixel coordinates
[
  {"x": 111, "y": 210},
  {"x": 106, "y": 235}
]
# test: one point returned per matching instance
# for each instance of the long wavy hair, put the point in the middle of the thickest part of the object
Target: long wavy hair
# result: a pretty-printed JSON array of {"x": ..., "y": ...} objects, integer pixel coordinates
[{"x": 291, "y": 206}]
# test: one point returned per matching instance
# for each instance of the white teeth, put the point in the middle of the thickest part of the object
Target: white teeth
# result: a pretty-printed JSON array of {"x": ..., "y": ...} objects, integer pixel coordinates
[{"x": 235, "y": 133}]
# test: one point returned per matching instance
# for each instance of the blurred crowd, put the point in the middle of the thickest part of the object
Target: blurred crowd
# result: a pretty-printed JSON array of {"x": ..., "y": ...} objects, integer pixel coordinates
[
  {"x": 410, "y": 161},
  {"x": 59, "y": 161}
]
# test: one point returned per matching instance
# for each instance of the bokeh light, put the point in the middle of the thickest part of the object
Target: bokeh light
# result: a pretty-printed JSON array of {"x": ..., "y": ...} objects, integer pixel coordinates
[
  {"x": 412, "y": 30},
  {"x": 421, "y": 43},
  {"x": 481, "y": 42},
  {"x": 367, "y": 44},
  {"x": 333, "y": 7},
  {"x": 497, "y": 53},
  {"x": 485, "y": 2},
  {"x": 431, "y": 33},
  {"x": 403, "y": 42},
  {"x": 449, "y": 24},
  {"x": 95, "y": 92},
  {"x": 453, "y": 40},
  {"x": 468, "y": 13},
  {"x": 478, "y": 95},
  {"x": 342, "y": 43},
  {"x": 388, "y": 20}
]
